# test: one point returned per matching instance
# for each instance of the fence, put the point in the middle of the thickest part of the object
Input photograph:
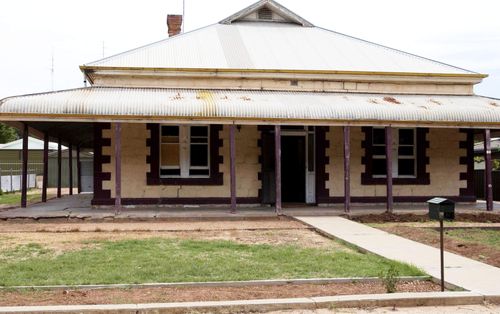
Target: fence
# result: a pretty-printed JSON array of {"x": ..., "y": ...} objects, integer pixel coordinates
[
  {"x": 479, "y": 184},
  {"x": 16, "y": 167},
  {"x": 10, "y": 180}
]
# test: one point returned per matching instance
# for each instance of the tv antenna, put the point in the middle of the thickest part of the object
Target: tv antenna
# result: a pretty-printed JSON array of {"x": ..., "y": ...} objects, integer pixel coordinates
[
  {"x": 52, "y": 70},
  {"x": 183, "y": 15}
]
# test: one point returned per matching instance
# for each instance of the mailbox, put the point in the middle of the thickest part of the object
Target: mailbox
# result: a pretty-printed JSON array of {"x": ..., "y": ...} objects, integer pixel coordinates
[{"x": 441, "y": 208}]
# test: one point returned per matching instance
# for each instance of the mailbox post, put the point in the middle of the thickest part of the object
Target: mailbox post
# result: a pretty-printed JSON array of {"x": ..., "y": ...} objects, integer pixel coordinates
[{"x": 441, "y": 209}]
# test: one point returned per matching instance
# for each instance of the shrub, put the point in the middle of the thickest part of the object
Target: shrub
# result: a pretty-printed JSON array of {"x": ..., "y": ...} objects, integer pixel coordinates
[{"x": 390, "y": 278}]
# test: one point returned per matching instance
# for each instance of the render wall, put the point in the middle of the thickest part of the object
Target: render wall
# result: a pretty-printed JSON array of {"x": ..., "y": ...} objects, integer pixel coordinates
[
  {"x": 444, "y": 166},
  {"x": 350, "y": 84},
  {"x": 135, "y": 168}
]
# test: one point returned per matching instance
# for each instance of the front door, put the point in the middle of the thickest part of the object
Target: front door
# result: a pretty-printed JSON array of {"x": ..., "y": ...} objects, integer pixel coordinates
[
  {"x": 293, "y": 169},
  {"x": 297, "y": 166}
]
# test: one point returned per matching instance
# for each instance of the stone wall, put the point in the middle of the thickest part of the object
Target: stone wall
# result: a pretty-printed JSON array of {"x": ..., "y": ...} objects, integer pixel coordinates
[
  {"x": 135, "y": 168},
  {"x": 444, "y": 166}
]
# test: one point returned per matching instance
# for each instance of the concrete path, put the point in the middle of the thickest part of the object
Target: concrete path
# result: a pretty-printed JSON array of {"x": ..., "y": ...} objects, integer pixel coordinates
[
  {"x": 78, "y": 206},
  {"x": 460, "y": 271}
]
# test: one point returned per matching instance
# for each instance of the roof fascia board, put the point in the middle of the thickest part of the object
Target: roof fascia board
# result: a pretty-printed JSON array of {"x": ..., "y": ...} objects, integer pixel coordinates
[
  {"x": 90, "y": 69},
  {"x": 244, "y": 121},
  {"x": 358, "y": 76}
]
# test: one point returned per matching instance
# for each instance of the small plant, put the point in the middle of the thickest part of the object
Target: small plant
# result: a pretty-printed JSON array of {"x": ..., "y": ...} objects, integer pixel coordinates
[
  {"x": 390, "y": 278},
  {"x": 1, "y": 192}
]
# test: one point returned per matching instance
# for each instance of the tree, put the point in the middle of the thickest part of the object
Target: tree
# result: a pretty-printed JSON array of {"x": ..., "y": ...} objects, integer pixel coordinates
[{"x": 7, "y": 134}]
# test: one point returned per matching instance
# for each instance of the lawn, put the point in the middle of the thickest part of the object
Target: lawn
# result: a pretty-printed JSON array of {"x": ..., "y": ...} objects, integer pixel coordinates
[
  {"x": 488, "y": 237},
  {"x": 182, "y": 260},
  {"x": 13, "y": 199}
]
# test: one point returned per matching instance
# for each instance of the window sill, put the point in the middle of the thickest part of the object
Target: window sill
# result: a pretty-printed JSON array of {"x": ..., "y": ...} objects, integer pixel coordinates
[
  {"x": 422, "y": 180},
  {"x": 214, "y": 180}
]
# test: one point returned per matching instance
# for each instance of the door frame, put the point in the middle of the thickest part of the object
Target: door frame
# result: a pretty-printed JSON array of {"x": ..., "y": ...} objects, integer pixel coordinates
[{"x": 310, "y": 176}]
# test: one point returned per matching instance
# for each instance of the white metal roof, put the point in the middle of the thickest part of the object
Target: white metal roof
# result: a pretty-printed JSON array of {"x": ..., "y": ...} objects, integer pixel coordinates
[
  {"x": 258, "y": 107},
  {"x": 236, "y": 43},
  {"x": 273, "y": 46},
  {"x": 33, "y": 144}
]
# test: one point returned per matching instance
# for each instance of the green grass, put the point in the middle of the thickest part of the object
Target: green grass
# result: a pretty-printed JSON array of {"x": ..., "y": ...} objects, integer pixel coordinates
[
  {"x": 489, "y": 237},
  {"x": 15, "y": 198},
  {"x": 172, "y": 260}
]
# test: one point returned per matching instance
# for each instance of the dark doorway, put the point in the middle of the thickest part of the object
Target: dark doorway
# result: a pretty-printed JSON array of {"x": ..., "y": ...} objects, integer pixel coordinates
[{"x": 293, "y": 169}]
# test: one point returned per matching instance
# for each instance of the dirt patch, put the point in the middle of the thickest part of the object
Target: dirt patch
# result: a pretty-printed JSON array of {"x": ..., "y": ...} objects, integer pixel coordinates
[
  {"x": 185, "y": 294},
  {"x": 463, "y": 217},
  {"x": 61, "y": 237},
  {"x": 70, "y": 241},
  {"x": 65, "y": 226},
  {"x": 476, "y": 251}
]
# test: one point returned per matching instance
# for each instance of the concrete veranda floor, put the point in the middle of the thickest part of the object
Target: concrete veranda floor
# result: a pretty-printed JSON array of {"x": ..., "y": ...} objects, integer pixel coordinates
[{"x": 78, "y": 207}]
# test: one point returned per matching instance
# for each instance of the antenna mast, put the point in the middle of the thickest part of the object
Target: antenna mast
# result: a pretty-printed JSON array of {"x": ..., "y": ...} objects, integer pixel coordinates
[
  {"x": 183, "y": 15},
  {"x": 52, "y": 71}
]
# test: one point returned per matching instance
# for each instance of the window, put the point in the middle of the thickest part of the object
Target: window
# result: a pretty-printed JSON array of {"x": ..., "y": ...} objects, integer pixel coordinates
[
  {"x": 184, "y": 151},
  {"x": 404, "y": 153}
]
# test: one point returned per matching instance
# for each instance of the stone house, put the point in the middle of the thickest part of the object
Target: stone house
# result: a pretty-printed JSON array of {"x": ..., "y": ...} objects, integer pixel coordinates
[{"x": 266, "y": 108}]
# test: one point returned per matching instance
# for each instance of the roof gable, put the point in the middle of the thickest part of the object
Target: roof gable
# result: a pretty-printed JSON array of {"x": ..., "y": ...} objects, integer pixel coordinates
[{"x": 266, "y": 11}]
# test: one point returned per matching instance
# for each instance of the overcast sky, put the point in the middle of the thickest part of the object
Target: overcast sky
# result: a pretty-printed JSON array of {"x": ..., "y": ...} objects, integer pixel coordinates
[{"x": 463, "y": 33}]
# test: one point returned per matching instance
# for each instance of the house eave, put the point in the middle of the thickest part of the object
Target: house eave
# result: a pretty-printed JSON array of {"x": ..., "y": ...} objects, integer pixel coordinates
[{"x": 363, "y": 76}]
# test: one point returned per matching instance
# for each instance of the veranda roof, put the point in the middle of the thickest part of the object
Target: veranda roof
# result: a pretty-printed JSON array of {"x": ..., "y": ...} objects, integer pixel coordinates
[{"x": 107, "y": 104}]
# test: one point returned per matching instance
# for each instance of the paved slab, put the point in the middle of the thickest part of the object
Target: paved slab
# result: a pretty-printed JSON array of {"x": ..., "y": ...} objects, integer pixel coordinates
[
  {"x": 372, "y": 300},
  {"x": 459, "y": 271}
]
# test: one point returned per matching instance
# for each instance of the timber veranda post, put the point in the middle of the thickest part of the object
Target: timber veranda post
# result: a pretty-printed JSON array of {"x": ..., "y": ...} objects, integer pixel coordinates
[
  {"x": 488, "y": 171},
  {"x": 277, "y": 167},
  {"x": 118, "y": 168},
  {"x": 45, "y": 180},
  {"x": 388, "y": 155},
  {"x": 232, "y": 166},
  {"x": 347, "y": 169},
  {"x": 24, "y": 173},
  {"x": 59, "y": 167}
]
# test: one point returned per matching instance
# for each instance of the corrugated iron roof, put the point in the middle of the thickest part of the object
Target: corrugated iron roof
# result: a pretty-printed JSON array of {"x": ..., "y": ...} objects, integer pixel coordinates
[
  {"x": 241, "y": 106},
  {"x": 33, "y": 144},
  {"x": 273, "y": 46}
]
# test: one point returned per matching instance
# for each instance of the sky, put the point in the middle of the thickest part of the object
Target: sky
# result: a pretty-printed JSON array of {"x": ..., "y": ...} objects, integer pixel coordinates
[{"x": 462, "y": 33}]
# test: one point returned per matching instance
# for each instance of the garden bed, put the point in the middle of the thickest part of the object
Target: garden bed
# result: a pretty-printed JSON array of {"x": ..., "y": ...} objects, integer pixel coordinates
[
  {"x": 466, "y": 239},
  {"x": 186, "y": 294}
]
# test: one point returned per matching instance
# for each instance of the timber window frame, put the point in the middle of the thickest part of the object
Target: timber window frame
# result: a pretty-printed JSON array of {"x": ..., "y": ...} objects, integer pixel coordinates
[
  {"x": 404, "y": 150},
  {"x": 153, "y": 177},
  {"x": 184, "y": 151}
]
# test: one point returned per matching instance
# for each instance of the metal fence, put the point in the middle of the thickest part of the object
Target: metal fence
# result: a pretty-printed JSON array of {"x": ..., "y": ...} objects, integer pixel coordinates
[
  {"x": 10, "y": 175},
  {"x": 16, "y": 167},
  {"x": 10, "y": 180}
]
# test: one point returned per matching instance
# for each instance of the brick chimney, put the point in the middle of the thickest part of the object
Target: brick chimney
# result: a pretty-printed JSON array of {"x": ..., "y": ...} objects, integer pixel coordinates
[{"x": 174, "y": 23}]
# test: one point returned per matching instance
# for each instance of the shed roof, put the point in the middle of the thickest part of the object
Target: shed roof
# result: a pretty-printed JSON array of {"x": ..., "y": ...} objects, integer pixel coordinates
[
  {"x": 257, "y": 107},
  {"x": 293, "y": 44},
  {"x": 33, "y": 144}
]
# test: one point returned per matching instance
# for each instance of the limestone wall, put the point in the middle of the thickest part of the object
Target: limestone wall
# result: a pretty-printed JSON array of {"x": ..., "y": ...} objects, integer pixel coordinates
[
  {"x": 444, "y": 165},
  {"x": 135, "y": 168}
]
